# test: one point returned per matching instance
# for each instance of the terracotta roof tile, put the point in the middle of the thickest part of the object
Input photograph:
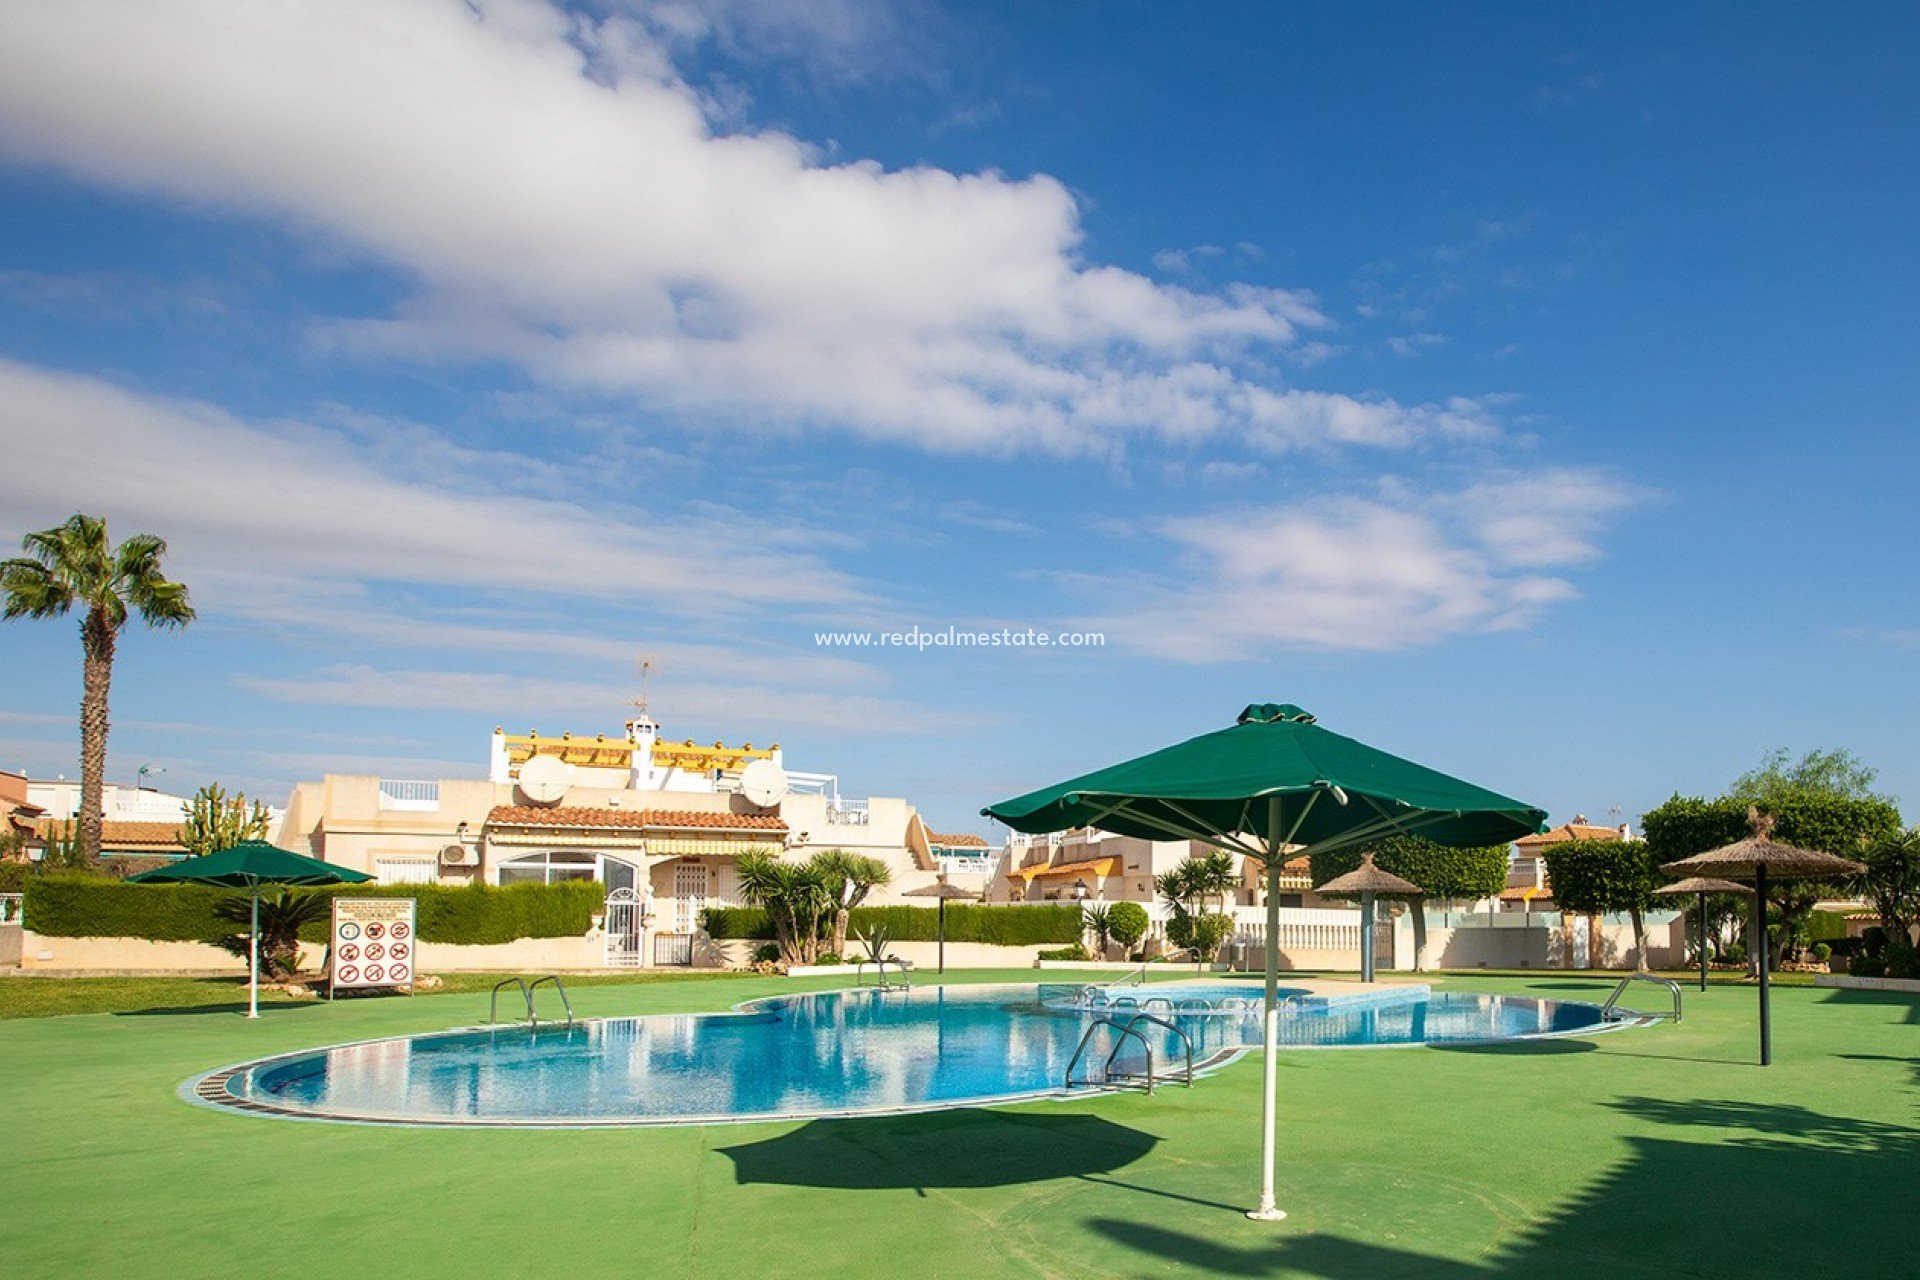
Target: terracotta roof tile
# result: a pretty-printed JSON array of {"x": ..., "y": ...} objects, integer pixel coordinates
[
  {"x": 956, "y": 841},
  {"x": 526, "y": 815},
  {"x": 159, "y": 835},
  {"x": 1568, "y": 831}
]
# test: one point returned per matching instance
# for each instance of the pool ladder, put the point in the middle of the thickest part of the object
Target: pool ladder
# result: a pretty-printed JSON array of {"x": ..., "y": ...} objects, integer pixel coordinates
[
  {"x": 880, "y": 974},
  {"x": 1127, "y": 1030},
  {"x": 1609, "y": 1011},
  {"x": 526, "y": 994}
]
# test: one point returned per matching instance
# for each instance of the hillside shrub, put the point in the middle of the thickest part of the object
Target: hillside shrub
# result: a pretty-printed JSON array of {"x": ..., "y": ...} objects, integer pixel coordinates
[{"x": 91, "y": 907}]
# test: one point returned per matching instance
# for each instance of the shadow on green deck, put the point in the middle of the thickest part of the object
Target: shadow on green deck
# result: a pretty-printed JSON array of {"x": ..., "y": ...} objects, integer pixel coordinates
[
  {"x": 919, "y": 1151},
  {"x": 1729, "y": 1174}
]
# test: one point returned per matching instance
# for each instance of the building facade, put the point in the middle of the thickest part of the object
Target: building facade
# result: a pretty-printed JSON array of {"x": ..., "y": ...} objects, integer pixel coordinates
[{"x": 661, "y": 823}]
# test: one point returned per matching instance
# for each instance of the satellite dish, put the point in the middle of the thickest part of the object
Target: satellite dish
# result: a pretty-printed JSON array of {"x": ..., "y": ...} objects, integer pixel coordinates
[
  {"x": 544, "y": 780},
  {"x": 763, "y": 783}
]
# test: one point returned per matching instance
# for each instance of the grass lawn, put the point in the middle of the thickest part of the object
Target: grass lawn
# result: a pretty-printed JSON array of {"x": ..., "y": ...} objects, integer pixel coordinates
[{"x": 1656, "y": 1152}]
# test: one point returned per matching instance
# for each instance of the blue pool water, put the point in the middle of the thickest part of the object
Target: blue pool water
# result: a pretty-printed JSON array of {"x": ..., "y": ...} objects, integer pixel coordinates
[{"x": 836, "y": 1052}]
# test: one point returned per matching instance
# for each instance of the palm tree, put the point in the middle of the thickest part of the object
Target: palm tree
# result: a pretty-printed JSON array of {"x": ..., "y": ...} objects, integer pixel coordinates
[{"x": 75, "y": 564}]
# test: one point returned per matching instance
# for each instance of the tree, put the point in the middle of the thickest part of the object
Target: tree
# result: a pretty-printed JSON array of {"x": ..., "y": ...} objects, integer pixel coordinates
[
  {"x": 1893, "y": 881},
  {"x": 74, "y": 564},
  {"x": 1447, "y": 874},
  {"x": 1828, "y": 821},
  {"x": 1185, "y": 887},
  {"x": 1598, "y": 877},
  {"x": 1127, "y": 922},
  {"x": 849, "y": 878},
  {"x": 215, "y": 822},
  {"x": 795, "y": 896},
  {"x": 1096, "y": 918},
  {"x": 1833, "y": 773}
]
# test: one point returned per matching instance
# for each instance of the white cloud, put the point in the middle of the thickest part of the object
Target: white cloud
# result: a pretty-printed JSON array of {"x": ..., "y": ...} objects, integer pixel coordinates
[
  {"x": 1393, "y": 571},
  {"x": 758, "y": 708},
  {"x": 249, "y": 508},
  {"x": 562, "y": 199}
]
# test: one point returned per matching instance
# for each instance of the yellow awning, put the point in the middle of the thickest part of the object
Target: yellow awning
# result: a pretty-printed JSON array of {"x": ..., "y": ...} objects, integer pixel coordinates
[{"x": 1099, "y": 867}]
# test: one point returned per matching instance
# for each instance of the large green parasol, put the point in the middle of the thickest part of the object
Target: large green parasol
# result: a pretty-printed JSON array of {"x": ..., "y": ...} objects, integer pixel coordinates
[
  {"x": 249, "y": 865},
  {"x": 1271, "y": 787}
]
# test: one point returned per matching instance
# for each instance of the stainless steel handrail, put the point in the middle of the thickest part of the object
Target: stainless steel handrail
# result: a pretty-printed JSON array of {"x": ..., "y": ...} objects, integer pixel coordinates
[
  {"x": 559, "y": 986},
  {"x": 1607, "y": 1010},
  {"x": 1138, "y": 974},
  {"x": 493, "y": 1005},
  {"x": 1125, "y": 1031},
  {"x": 1186, "y": 1042},
  {"x": 880, "y": 974}
]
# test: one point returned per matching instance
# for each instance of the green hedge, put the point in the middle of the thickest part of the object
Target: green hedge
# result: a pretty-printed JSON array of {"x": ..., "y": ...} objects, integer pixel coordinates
[
  {"x": 90, "y": 907},
  {"x": 1017, "y": 926}
]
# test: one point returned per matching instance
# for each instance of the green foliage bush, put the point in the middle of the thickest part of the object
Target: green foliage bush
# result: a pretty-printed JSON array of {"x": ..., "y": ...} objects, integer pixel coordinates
[
  {"x": 1208, "y": 931},
  {"x": 1903, "y": 959},
  {"x": 1862, "y": 965},
  {"x": 1013, "y": 926},
  {"x": 1065, "y": 953},
  {"x": 1127, "y": 922},
  {"x": 1445, "y": 873},
  {"x": 91, "y": 907}
]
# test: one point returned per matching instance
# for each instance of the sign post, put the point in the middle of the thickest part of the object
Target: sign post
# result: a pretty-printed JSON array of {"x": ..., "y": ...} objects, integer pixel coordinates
[{"x": 373, "y": 944}]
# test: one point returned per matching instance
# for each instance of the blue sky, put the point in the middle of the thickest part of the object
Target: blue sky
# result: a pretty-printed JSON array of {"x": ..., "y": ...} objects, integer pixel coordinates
[{"x": 1525, "y": 390}]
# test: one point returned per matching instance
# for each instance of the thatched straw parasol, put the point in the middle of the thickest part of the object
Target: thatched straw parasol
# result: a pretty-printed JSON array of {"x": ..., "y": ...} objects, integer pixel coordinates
[
  {"x": 946, "y": 893},
  {"x": 1367, "y": 882},
  {"x": 1702, "y": 885},
  {"x": 1760, "y": 858}
]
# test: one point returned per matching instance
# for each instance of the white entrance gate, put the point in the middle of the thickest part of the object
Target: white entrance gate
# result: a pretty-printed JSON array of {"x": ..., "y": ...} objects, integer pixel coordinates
[{"x": 622, "y": 930}]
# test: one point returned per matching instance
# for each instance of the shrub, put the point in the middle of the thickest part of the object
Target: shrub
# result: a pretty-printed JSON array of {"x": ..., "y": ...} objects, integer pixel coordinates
[
  {"x": 1734, "y": 953},
  {"x": 1822, "y": 952},
  {"x": 1865, "y": 966},
  {"x": 1018, "y": 926},
  {"x": 1065, "y": 953},
  {"x": 90, "y": 907},
  {"x": 766, "y": 953},
  {"x": 1903, "y": 959},
  {"x": 1208, "y": 931},
  {"x": 1127, "y": 922}
]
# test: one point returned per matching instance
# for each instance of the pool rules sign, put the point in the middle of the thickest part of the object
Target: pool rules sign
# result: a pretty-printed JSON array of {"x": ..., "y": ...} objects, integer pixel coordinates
[{"x": 373, "y": 943}]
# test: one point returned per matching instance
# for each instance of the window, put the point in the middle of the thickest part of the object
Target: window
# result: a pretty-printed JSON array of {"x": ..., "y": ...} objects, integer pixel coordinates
[
  {"x": 405, "y": 871},
  {"x": 563, "y": 864}
]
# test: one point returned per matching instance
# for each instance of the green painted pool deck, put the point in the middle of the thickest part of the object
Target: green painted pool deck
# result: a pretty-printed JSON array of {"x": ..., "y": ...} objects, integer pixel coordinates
[{"x": 1662, "y": 1151}]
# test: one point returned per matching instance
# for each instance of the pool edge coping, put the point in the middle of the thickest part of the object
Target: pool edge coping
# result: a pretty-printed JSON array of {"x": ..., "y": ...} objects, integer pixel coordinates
[{"x": 208, "y": 1089}]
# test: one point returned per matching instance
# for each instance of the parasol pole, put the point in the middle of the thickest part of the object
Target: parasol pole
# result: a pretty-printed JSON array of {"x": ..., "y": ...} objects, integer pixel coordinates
[
  {"x": 1703, "y": 939},
  {"x": 1766, "y": 1014},
  {"x": 1270, "y": 1066},
  {"x": 253, "y": 957},
  {"x": 1366, "y": 937}
]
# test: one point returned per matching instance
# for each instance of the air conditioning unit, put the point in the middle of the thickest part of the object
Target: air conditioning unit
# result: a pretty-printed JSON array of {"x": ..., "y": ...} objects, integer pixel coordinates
[{"x": 460, "y": 855}]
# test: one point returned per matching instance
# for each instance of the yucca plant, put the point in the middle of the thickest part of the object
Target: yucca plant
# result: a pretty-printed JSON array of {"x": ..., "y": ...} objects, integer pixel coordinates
[
  {"x": 282, "y": 914},
  {"x": 1098, "y": 921},
  {"x": 796, "y": 897},
  {"x": 850, "y": 877}
]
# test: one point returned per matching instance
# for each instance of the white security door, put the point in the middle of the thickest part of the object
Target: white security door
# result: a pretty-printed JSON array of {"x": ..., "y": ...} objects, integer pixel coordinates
[{"x": 690, "y": 890}]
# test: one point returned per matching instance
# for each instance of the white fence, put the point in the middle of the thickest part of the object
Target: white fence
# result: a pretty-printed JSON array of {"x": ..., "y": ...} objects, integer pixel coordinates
[
  {"x": 1301, "y": 929},
  {"x": 409, "y": 795}
]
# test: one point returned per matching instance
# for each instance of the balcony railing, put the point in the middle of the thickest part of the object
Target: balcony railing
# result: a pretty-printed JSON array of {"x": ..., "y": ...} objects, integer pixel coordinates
[
  {"x": 847, "y": 813},
  {"x": 409, "y": 796}
]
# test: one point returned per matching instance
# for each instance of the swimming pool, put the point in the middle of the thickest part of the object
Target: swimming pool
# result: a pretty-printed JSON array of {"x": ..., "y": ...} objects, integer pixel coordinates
[{"x": 837, "y": 1053}]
